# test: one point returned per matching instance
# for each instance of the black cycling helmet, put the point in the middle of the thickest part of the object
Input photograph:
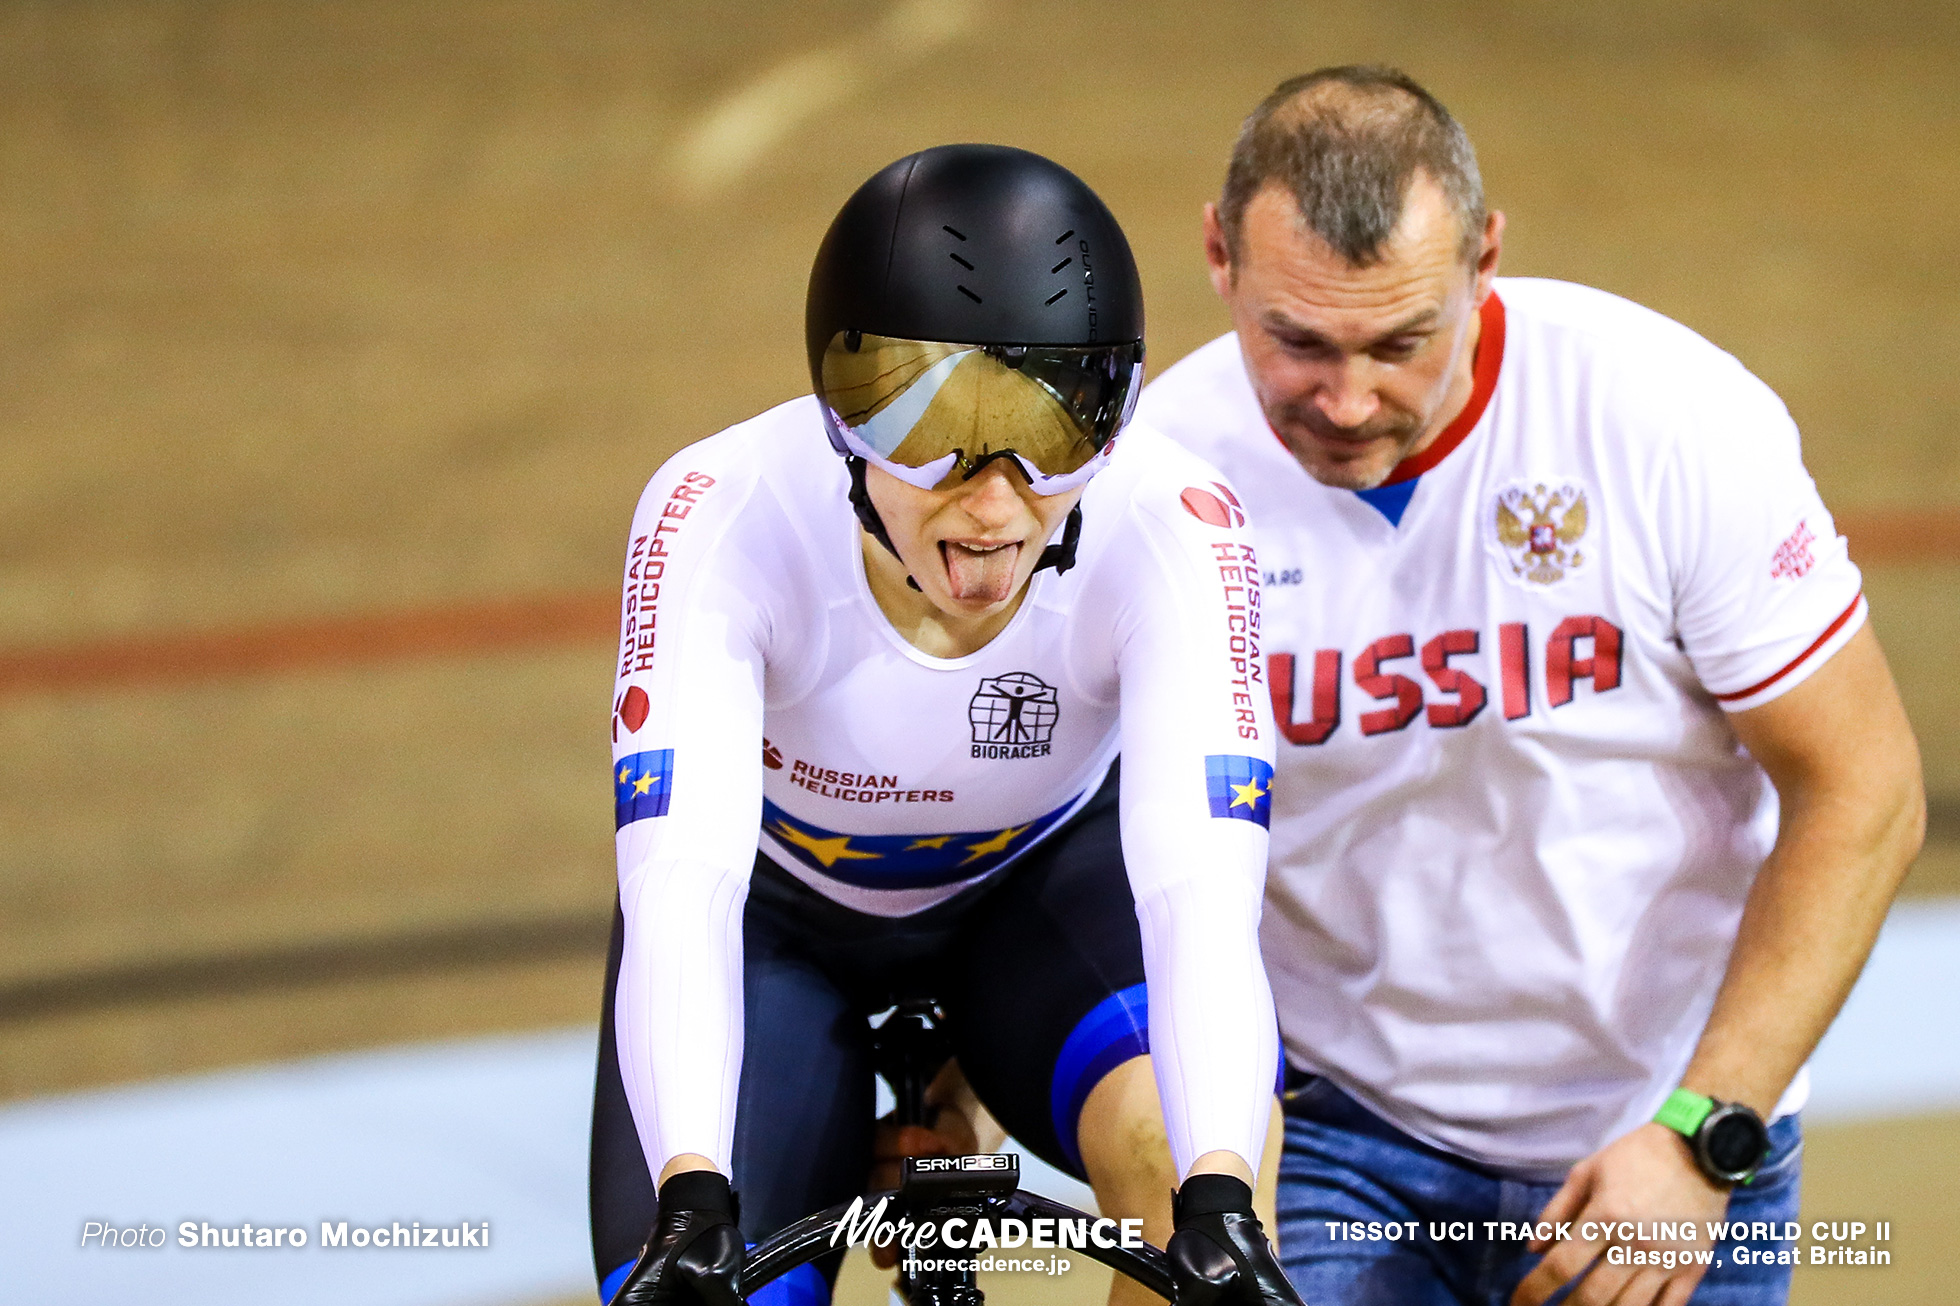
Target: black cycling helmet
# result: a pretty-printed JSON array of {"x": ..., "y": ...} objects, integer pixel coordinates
[{"x": 970, "y": 303}]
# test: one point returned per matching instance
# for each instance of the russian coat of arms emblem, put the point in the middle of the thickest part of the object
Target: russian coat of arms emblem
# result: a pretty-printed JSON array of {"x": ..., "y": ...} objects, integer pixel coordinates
[{"x": 1536, "y": 529}]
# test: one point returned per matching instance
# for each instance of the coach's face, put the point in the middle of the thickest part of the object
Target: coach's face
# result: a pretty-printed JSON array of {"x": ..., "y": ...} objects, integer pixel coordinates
[{"x": 1356, "y": 368}]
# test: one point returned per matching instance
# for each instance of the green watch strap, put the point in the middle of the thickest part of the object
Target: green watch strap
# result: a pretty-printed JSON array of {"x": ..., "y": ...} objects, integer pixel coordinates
[{"x": 1684, "y": 1111}]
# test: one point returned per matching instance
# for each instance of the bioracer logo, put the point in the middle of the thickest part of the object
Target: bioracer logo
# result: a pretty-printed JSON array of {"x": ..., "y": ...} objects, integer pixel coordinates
[{"x": 1013, "y": 715}]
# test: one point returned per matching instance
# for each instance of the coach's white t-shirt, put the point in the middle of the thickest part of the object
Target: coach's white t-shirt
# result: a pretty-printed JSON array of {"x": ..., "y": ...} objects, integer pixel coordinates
[{"x": 1512, "y": 830}]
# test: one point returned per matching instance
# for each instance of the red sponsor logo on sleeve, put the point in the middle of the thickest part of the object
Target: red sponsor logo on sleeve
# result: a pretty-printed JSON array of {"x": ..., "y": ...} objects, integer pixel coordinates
[
  {"x": 1793, "y": 558},
  {"x": 1220, "y": 509},
  {"x": 631, "y": 710},
  {"x": 645, "y": 568},
  {"x": 1238, "y": 573}
]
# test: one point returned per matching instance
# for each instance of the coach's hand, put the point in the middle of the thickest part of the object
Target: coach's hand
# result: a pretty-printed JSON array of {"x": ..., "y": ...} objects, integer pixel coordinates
[
  {"x": 1219, "y": 1254},
  {"x": 694, "y": 1255},
  {"x": 1647, "y": 1175}
]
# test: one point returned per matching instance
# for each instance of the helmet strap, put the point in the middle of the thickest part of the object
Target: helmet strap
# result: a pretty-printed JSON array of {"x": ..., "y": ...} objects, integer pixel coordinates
[
  {"x": 1060, "y": 555},
  {"x": 867, "y": 512}
]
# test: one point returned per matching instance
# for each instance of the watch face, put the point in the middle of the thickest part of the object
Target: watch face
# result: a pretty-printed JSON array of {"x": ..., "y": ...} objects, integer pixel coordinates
[{"x": 1735, "y": 1142}]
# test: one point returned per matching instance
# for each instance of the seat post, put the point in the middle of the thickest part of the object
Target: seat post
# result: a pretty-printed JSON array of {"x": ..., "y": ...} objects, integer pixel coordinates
[{"x": 908, "y": 1051}]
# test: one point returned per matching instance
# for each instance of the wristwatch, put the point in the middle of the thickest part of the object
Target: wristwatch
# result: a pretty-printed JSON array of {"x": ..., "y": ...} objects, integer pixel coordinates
[{"x": 1728, "y": 1139}]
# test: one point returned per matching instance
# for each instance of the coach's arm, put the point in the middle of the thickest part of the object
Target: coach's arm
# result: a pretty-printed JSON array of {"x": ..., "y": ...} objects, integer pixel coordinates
[{"x": 1846, "y": 768}]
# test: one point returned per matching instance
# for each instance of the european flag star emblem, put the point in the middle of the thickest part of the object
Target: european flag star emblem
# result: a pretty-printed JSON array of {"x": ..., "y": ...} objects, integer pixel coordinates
[
  {"x": 642, "y": 785},
  {"x": 1240, "y": 788},
  {"x": 902, "y": 861}
]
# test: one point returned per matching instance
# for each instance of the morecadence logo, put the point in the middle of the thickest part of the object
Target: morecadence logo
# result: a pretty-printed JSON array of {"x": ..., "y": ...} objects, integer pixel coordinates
[{"x": 859, "y": 1227}]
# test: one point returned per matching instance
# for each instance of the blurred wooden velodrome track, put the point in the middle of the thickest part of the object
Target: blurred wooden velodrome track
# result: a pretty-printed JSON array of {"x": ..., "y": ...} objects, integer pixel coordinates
[{"x": 336, "y": 340}]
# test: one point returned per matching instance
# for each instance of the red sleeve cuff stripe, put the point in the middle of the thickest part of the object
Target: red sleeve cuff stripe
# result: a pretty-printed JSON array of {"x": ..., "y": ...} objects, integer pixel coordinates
[{"x": 1800, "y": 658}]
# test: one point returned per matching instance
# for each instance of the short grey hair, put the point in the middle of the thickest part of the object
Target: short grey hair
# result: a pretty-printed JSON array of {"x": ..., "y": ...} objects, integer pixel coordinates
[{"x": 1347, "y": 142}]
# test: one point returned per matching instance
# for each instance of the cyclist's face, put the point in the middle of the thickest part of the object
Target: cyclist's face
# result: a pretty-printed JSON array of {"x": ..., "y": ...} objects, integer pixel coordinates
[{"x": 971, "y": 545}]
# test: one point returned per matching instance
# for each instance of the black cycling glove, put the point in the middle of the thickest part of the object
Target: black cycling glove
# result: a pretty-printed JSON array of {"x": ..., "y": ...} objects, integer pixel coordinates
[
  {"x": 1219, "y": 1255},
  {"x": 694, "y": 1255}
]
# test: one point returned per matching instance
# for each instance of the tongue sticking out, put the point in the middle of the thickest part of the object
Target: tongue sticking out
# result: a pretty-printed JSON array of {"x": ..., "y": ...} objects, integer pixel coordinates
[{"x": 980, "y": 576}]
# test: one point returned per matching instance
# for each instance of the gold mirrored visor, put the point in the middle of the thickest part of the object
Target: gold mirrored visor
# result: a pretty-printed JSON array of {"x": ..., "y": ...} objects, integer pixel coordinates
[{"x": 924, "y": 410}]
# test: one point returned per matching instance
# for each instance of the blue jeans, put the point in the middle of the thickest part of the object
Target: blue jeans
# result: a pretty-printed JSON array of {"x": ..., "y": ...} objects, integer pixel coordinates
[{"x": 1344, "y": 1163}]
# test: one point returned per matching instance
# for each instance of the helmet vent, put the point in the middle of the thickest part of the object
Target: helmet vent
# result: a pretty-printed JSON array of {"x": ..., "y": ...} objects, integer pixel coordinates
[{"x": 946, "y": 246}]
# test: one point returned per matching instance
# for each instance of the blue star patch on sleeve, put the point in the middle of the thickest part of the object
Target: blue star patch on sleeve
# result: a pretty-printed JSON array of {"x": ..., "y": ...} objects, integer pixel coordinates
[
  {"x": 642, "y": 785},
  {"x": 1240, "y": 788}
]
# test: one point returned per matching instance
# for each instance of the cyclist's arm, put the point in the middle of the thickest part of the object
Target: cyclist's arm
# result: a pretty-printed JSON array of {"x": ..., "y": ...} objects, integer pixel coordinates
[
  {"x": 687, "y": 727},
  {"x": 1194, "y": 703}
]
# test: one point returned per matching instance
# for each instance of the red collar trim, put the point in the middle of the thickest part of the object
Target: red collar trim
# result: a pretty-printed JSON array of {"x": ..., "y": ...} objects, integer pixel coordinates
[{"x": 1483, "y": 383}]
